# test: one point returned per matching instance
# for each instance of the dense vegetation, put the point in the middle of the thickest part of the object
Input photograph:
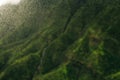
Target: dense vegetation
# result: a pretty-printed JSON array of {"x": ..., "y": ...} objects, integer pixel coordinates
[{"x": 60, "y": 40}]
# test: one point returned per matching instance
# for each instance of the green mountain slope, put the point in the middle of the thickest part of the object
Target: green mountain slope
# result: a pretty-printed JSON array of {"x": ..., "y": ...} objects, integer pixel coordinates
[{"x": 61, "y": 40}]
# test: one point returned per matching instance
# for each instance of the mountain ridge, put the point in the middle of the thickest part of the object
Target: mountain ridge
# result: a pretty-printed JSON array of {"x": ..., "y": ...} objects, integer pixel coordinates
[{"x": 63, "y": 40}]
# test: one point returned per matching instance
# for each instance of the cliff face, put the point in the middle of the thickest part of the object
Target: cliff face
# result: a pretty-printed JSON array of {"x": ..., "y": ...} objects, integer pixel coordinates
[{"x": 60, "y": 40}]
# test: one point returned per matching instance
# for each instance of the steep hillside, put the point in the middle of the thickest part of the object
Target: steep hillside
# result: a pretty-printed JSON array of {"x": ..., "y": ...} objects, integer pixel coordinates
[{"x": 60, "y": 40}]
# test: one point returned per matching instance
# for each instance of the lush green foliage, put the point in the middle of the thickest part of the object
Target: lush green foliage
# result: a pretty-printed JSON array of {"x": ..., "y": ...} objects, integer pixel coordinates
[{"x": 61, "y": 40}]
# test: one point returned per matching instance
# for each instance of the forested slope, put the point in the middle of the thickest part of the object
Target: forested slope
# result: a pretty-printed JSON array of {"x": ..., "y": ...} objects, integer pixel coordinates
[{"x": 60, "y": 40}]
